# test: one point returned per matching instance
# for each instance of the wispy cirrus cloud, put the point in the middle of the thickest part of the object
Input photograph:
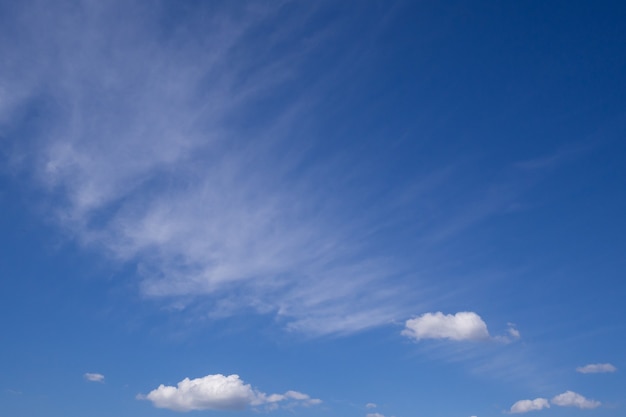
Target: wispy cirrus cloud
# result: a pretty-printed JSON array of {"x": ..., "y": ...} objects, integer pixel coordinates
[
  {"x": 13, "y": 392},
  {"x": 219, "y": 392},
  {"x": 156, "y": 154},
  {"x": 173, "y": 147}
]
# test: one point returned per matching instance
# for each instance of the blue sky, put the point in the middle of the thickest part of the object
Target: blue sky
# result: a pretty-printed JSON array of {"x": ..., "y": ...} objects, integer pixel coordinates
[{"x": 368, "y": 209}]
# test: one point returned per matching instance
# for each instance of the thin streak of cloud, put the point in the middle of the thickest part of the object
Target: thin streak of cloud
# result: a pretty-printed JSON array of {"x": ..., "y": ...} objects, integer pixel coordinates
[
  {"x": 561, "y": 156},
  {"x": 596, "y": 368}
]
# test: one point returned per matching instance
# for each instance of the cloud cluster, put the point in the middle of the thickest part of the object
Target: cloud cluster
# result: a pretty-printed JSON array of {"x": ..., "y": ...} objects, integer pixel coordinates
[
  {"x": 566, "y": 399},
  {"x": 596, "y": 368},
  {"x": 219, "y": 392},
  {"x": 93, "y": 377},
  {"x": 465, "y": 325}
]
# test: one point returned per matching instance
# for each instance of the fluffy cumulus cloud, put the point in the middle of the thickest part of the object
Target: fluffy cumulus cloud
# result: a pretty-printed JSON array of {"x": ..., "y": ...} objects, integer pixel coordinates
[
  {"x": 93, "y": 377},
  {"x": 573, "y": 399},
  {"x": 596, "y": 368},
  {"x": 465, "y": 325},
  {"x": 524, "y": 406},
  {"x": 219, "y": 392}
]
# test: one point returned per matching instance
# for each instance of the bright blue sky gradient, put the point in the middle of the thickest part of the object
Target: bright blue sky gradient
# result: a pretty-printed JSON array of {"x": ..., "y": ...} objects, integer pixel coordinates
[{"x": 292, "y": 191}]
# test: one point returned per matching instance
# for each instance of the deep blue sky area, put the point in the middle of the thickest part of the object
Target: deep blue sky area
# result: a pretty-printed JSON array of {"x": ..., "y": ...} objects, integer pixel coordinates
[{"x": 312, "y": 208}]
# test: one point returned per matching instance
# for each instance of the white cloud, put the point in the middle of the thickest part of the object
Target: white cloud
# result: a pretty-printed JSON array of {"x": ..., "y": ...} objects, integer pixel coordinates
[
  {"x": 219, "y": 392},
  {"x": 374, "y": 415},
  {"x": 596, "y": 368},
  {"x": 572, "y": 399},
  {"x": 513, "y": 332},
  {"x": 524, "y": 406},
  {"x": 460, "y": 326},
  {"x": 94, "y": 377},
  {"x": 370, "y": 405}
]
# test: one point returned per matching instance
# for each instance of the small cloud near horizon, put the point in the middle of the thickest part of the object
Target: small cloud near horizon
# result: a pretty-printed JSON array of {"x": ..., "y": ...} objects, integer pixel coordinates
[{"x": 566, "y": 399}]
